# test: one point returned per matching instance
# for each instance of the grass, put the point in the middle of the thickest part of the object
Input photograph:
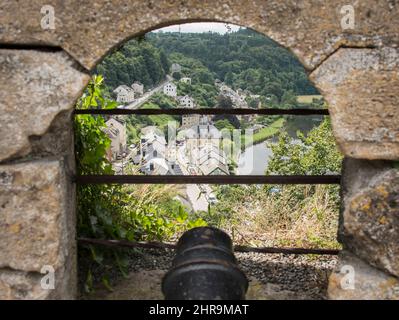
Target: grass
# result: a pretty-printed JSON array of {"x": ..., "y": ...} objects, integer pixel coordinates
[
  {"x": 265, "y": 133},
  {"x": 280, "y": 219},
  {"x": 307, "y": 99},
  {"x": 161, "y": 121}
]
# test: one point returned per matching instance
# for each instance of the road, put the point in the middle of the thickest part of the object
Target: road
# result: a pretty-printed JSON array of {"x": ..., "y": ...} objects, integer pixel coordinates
[
  {"x": 197, "y": 199},
  {"x": 138, "y": 102},
  {"x": 197, "y": 194}
]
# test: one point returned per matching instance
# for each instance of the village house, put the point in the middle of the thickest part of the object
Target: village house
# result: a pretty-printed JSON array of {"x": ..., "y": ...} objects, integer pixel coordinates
[
  {"x": 211, "y": 166},
  {"x": 189, "y": 120},
  {"x": 154, "y": 149},
  {"x": 152, "y": 144},
  {"x": 155, "y": 153},
  {"x": 171, "y": 151},
  {"x": 124, "y": 94},
  {"x": 160, "y": 166},
  {"x": 116, "y": 131},
  {"x": 151, "y": 133},
  {"x": 209, "y": 159},
  {"x": 185, "y": 80},
  {"x": 186, "y": 102},
  {"x": 138, "y": 88},
  {"x": 210, "y": 151},
  {"x": 200, "y": 135},
  {"x": 238, "y": 100},
  {"x": 155, "y": 166},
  {"x": 170, "y": 89}
]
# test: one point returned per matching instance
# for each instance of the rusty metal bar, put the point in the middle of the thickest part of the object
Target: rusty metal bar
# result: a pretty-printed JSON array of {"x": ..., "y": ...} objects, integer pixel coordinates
[
  {"x": 204, "y": 111},
  {"x": 127, "y": 244},
  {"x": 286, "y": 250},
  {"x": 164, "y": 245},
  {"x": 216, "y": 179}
]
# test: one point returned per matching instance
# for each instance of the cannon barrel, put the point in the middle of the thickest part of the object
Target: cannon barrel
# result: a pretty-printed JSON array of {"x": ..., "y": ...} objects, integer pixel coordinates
[{"x": 204, "y": 268}]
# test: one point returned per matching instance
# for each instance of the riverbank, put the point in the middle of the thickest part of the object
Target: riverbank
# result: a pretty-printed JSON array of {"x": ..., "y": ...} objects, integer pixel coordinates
[{"x": 264, "y": 133}]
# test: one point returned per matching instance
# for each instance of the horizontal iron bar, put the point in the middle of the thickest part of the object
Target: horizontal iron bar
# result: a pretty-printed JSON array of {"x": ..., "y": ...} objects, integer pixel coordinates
[
  {"x": 163, "y": 245},
  {"x": 128, "y": 244},
  {"x": 216, "y": 179},
  {"x": 204, "y": 111},
  {"x": 286, "y": 250}
]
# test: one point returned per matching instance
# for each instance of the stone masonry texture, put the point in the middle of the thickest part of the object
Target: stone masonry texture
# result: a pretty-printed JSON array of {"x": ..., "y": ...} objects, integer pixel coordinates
[
  {"x": 37, "y": 224},
  {"x": 369, "y": 225},
  {"x": 354, "y": 279},
  {"x": 35, "y": 87}
]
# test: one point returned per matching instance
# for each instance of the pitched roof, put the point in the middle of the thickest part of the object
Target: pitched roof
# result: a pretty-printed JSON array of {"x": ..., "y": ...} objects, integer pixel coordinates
[
  {"x": 122, "y": 88},
  {"x": 210, "y": 165},
  {"x": 203, "y": 131}
]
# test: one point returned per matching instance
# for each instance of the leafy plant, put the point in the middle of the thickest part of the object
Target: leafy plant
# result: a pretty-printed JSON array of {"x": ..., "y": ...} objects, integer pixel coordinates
[
  {"x": 109, "y": 211},
  {"x": 297, "y": 215}
]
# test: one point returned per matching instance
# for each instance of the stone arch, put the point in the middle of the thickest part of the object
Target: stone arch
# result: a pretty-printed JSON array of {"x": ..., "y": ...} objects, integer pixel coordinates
[{"x": 356, "y": 70}]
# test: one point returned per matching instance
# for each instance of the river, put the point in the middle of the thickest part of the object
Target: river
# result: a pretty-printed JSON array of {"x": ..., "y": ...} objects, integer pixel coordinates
[{"x": 254, "y": 160}]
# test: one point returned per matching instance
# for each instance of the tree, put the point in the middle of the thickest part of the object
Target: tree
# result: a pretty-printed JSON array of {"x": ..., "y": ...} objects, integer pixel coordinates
[
  {"x": 229, "y": 78},
  {"x": 164, "y": 61},
  {"x": 315, "y": 153},
  {"x": 224, "y": 124},
  {"x": 176, "y": 75},
  {"x": 135, "y": 61},
  {"x": 244, "y": 59},
  {"x": 288, "y": 100}
]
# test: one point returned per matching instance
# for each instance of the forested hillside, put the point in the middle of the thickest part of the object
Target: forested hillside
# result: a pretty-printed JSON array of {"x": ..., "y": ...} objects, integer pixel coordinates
[
  {"x": 244, "y": 59},
  {"x": 137, "y": 60}
]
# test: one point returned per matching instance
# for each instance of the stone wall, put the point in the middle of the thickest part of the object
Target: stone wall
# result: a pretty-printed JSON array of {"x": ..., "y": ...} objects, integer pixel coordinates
[
  {"x": 37, "y": 215},
  {"x": 43, "y": 71}
]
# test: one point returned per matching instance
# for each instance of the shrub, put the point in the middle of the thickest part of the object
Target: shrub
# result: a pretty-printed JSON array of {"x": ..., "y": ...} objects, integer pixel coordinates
[{"x": 109, "y": 211}]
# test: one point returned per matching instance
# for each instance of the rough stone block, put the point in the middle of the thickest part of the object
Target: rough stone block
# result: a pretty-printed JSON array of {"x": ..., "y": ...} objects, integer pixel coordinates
[
  {"x": 37, "y": 223},
  {"x": 18, "y": 285},
  {"x": 311, "y": 29},
  {"x": 35, "y": 88},
  {"x": 370, "y": 212},
  {"x": 368, "y": 283},
  {"x": 361, "y": 86}
]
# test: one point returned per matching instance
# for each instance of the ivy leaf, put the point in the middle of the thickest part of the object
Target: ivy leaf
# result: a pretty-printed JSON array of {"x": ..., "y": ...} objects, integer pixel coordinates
[{"x": 105, "y": 281}]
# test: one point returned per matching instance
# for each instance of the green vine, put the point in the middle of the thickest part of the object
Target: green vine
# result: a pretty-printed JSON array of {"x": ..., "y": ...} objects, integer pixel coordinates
[{"x": 108, "y": 211}]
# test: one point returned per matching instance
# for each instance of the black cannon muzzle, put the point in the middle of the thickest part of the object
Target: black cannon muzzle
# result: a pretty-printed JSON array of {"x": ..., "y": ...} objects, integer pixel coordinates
[{"x": 204, "y": 268}]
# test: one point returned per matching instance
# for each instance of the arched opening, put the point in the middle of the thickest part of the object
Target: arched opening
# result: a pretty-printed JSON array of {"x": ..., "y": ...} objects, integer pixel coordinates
[
  {"x": 235, "y": 69},
  {"x": 350, "y": 52}
]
